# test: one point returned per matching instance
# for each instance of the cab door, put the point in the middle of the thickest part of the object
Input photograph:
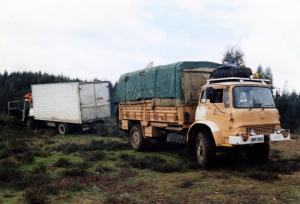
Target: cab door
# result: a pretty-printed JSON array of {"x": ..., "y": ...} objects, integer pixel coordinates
[{"x": 214, "y": 109}]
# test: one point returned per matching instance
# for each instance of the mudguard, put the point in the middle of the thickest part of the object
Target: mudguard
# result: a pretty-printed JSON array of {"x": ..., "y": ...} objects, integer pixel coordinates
[{"x": 211, "y": 125}]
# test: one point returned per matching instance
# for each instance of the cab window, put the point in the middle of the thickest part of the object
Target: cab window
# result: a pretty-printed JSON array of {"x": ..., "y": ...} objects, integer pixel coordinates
[
  {"x": 216, "y": 96},
  {"x": 226, "y": 98},
  {"x": 203, "y": 96}
]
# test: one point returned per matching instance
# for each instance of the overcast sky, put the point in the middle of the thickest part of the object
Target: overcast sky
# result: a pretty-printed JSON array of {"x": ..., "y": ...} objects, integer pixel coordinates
[{"x": 105, "y": 38}]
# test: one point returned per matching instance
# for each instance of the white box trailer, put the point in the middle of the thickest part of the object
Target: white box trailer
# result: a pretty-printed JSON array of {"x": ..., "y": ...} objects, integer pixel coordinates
[{"x": 69, "y": 104}]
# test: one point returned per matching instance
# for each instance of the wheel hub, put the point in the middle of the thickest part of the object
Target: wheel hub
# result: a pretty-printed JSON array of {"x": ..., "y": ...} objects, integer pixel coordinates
[
  {"x": 200, "y": 150},
  {"x": 61, "y": 129},
  {"x": 135, "y": 137}
]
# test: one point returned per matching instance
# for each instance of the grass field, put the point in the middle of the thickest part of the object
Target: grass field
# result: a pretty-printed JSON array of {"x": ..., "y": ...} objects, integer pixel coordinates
[{"x": 42, "y": 167}]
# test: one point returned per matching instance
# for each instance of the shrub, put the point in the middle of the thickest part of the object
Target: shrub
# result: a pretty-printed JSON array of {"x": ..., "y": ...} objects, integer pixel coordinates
[
  {"x": 95, "y": 156},
  {"x": 75, "y": 186},
  {"x": 151, "y": 162},
  {"x": 263, "y": 176},
  {"x": 26, "y": 157},
  {"x": 9, "y": 162},
  {"x": 285, "y": 166},
  {"x": 75, "y": 171},
  {"x": 35, "y": 195},
  {"x": 167, "y": 167},
  {"x": 103, "y": 169},
  {"x": 62, "y": 162},
  {"x": 18, "y": 146},
  {"x": 69, "y": 148},
  {"x": 95, "y": 145},
  {"x": 9, "y": 175},
  {"x": 82, "y": 165},
  {"x": 101, "y": 145},
  {"x": 147, "y": 162},
  {"x": 114, "y": 145},
  {"x": 42, "y": 153},
  {"x": 49, "y": 141},
  {"x": 4, "y": 152},
  {"x": 36, "y": 178},
  {"x": 185, "y": 184},
  {"x": 40, "y": 169},
  {"x": 126, "y": 157}
]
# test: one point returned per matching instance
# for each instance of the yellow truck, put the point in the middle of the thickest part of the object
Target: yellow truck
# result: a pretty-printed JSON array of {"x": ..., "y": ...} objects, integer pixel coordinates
[{"x": 211, "y": 113}]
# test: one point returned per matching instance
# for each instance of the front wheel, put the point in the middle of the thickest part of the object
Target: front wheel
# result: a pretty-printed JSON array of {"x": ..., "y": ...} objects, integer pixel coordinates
[
  {"x": 205, "y": 150},
  {"x": 136, "y": 137}
]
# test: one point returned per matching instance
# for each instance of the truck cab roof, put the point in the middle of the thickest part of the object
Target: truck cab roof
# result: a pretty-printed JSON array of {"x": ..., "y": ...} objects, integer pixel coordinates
[{"x": 233, "y": 81}]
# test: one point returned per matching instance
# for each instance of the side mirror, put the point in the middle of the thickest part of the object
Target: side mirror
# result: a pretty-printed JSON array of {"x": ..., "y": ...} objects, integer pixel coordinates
[{"x": 205, "y": 100}]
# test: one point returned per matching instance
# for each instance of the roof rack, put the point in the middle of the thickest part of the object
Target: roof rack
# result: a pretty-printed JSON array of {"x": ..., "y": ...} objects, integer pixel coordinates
[{"x": 238, "y": 79}]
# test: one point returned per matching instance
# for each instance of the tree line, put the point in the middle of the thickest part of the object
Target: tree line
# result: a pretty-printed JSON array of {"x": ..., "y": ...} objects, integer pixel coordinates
[{"x": 13, "y": 86}]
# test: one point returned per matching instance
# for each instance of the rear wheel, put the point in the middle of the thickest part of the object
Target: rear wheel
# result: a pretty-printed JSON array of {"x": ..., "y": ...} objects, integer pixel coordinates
[
  {"x": 30, "y": 123},
  {"x": 62, "y": 128},
  {"x": 136, "y": 137},
  {"x": 205, "y": 150},
  {"x": 258, "y": 153}
]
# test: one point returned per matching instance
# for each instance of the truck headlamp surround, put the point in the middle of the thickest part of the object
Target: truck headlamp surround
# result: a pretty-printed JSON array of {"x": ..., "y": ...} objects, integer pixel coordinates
[{"x": 279, "y": 130}]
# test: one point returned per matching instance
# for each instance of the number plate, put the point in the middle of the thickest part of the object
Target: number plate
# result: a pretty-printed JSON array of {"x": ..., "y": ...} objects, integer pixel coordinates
[{"x": 257, "y": 139}]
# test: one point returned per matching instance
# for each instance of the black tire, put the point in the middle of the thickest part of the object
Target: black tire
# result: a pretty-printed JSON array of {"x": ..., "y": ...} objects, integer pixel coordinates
[
  {"x": 258, "y": 153},
  {"x": 231, "y": 72},
  {"x": 62, "y": 128},
  {"x": 205, "y": 150},
  {"x": 136, "y": 138},
  {"x": 162, "y": 139},
  {"x": 29, "y": 123}
]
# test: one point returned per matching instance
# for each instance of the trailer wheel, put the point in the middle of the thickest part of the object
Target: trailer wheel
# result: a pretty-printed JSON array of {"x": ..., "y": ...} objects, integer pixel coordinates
[
  {"x": 258, "y": 153},
  {"x": 205, "y": 150},
  {"x": 29, "y": 123},
  {"x": 137, "y": 140},
  {"x": 62, "y": 128}
]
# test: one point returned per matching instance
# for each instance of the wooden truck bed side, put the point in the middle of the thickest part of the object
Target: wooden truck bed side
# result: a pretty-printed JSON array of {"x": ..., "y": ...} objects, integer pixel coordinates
[{"x": 153, "y": 117}]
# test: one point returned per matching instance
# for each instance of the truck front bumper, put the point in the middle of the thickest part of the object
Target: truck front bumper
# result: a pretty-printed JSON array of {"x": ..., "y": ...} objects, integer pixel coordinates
[{"x": 239, "y": 140}]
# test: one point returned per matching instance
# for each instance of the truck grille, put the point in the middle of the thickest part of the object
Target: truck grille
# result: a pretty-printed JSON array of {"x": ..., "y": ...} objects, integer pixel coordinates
[{"x": 261, "y": 129}]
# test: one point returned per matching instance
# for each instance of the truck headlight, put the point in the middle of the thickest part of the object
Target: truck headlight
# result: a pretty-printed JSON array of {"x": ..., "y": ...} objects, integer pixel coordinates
[{"x": 279, "y": 130}]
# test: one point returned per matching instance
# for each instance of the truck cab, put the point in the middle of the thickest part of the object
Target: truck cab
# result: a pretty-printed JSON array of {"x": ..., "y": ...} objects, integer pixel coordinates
[{"x": 235, "y": 112}]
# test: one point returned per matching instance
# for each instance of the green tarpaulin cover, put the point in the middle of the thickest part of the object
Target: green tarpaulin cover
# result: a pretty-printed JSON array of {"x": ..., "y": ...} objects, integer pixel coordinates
[{"x": 156, "y": 82}]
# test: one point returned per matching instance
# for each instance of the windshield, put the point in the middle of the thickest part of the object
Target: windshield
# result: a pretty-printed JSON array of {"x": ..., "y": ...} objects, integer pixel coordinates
[{"x": 252, "y": 97}]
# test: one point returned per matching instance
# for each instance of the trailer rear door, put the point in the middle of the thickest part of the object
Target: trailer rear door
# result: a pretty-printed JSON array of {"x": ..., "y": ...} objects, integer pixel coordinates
[{"x": 94, "y": 101}]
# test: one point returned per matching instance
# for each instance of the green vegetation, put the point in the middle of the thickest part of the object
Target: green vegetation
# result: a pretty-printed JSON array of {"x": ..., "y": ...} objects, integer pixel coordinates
[{"x": 42, "y": 167}]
